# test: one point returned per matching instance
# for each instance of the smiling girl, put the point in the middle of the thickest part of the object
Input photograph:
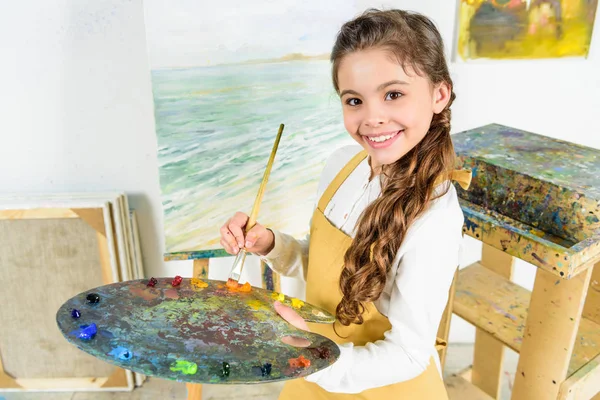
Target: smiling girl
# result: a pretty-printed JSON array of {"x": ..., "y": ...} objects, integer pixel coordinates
[{"x": 385, "y": 235}]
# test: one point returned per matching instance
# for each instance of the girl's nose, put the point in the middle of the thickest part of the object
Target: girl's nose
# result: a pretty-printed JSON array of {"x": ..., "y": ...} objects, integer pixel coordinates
[
  {"x": 374, "y": 121},
  {"x": 375, "y": 117}
]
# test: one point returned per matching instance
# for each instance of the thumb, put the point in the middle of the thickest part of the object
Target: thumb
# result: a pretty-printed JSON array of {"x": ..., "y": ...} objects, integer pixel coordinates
[
  {"x": 253, "y": 235},
  {"x": 291, "y": 316}
]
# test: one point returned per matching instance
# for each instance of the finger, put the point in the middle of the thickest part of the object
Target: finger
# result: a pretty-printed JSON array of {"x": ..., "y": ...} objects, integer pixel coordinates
[
  {"x": 236, "y": 224},
  {"x": 228, "y": 237},
  {"x": 291, "y": 316},
  {"x": 227, "y": 247}
]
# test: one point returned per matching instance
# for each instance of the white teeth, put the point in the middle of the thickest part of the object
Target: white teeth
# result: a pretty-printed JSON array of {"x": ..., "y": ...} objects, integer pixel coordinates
[{"x": 379, "y": 139}]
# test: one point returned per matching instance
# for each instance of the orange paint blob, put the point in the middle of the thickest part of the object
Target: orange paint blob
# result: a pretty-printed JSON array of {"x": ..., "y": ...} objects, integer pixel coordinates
[
  {"x": 299, "y": 362},
  {"x": 234, "y": 286}
]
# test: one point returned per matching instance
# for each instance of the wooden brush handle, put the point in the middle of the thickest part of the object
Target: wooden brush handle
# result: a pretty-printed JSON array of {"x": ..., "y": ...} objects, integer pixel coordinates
[{"x": 263, "y": 184}]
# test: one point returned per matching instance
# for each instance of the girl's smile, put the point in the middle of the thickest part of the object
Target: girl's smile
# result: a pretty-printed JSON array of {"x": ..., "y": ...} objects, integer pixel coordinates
[{"x": 382, "y": 140}]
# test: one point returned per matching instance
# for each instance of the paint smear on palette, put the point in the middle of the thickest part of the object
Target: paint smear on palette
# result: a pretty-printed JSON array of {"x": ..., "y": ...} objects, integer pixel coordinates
[{"x": 189, "y": 332}]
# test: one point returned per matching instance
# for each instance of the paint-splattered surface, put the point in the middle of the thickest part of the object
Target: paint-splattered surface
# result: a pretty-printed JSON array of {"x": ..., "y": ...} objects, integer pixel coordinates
[
  {"x": 532, "y": 196},
  {"x": 185, "y": 333}
]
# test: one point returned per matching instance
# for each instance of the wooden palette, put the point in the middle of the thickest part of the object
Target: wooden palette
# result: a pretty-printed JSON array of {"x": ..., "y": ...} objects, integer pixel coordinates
[{"x": 163, "y": 331}]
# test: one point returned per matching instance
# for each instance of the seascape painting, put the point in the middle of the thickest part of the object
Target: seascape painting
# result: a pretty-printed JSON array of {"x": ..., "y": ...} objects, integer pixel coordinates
[
  {"x": 224, "y": 76},
  {"x": 525, "y": 29}
]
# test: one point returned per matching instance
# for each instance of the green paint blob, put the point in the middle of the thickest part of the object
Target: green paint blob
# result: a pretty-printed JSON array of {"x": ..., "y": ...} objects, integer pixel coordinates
[{"x": 185, "y": 367}]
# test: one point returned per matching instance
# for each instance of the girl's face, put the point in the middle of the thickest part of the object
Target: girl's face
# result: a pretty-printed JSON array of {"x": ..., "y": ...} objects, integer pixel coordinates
[{"x": 387, "y": 110}]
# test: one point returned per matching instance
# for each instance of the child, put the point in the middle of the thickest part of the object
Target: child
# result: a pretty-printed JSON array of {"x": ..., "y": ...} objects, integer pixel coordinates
[{"x": 384, "y": 238}]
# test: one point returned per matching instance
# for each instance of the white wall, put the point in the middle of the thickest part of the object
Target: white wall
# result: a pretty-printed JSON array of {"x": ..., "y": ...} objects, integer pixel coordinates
[{"x": 77, "y": 113}]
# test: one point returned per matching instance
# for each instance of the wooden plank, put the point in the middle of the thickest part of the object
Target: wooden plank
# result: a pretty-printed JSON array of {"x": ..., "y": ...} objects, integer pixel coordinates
[
  {"x": 488, "y": 361},
  {"x": 564, "y": 259},
  {"x": 105, "y": 259},
  {"x": 549, "y": 337},
  {"x": 201, "y": 268},
  {"x": 6, "y": 381},
  {"x": 66, "y": 384},
  {"x": 118, "y": 379},
  {"x": 488, "y": 356},
  {"x": 499, "y": 307},
  {"x": 591, "y": 310},
  {"x": 459, "y": 388},
  {"x": 93, "y": 216},
  {"x": 269, "y": 276},
  {"x": 38, "y": 213},
  {"x": 276, "y": 282},
  {"x": 194, "y": 391},
  {"x": 444, "y": 327},
  {"x": 583, "y": 384}
]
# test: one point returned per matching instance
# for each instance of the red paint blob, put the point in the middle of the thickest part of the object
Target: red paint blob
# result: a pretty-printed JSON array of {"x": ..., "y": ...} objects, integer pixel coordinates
[{"x": 176, "y": 281}]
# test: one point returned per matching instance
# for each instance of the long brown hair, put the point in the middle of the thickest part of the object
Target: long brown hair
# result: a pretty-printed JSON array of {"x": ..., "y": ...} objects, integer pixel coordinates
[{"x": 407, "y": 184}]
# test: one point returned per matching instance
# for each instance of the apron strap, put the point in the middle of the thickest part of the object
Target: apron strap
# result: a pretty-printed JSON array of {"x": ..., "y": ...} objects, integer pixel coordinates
[
  {"x": 339, "y": 179},
  {"x": 460, "y": 176}
]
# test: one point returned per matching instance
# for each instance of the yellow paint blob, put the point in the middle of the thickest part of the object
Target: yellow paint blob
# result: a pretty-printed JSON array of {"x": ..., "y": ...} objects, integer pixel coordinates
[
  {"x": 297, "y": 303},
  {"x": 278, "y": 296},
  {"x": 199, "y": 283}
]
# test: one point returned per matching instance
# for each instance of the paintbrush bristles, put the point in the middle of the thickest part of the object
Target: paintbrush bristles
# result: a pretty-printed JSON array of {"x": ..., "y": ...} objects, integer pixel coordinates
[{"x": 263, "y": 184}]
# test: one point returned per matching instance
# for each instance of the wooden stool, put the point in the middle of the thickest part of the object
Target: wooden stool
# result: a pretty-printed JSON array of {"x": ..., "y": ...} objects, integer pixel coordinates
[{"x": 537, "y": 199}]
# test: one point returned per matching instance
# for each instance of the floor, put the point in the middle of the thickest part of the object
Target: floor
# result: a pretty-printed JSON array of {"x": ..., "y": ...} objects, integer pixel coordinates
[{"x": 459, "y": 357}]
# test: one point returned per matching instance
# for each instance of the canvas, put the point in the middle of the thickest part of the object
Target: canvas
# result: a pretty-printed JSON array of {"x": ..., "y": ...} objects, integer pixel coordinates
[
  {"x": 224, "y": 76},
  {"x": 525, "y": 29}
]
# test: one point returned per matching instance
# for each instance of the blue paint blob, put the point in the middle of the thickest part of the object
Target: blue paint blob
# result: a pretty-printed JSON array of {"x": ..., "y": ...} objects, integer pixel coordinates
[
  {"x": 75, "y": 313},
  {"x": 87, "y": 332},
  {"x": 121, "y": 353}
]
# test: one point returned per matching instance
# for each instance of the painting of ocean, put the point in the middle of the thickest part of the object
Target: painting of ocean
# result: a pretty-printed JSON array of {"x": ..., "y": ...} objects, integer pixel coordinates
[
  {"x": 225, "y": 75},
  {"x": 216, "y": 127}
]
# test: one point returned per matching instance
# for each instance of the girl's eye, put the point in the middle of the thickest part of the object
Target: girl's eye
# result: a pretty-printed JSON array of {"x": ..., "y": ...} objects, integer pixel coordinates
[
  {"x": 393, "y": 95},
  {"x": 353, "y": 102}
]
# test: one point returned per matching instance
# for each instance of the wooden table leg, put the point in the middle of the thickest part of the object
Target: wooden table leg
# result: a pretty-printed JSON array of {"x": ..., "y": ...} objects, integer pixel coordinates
[
  {"x": 550, "y": 331},
  {"x": 194, "y": 391},
  {"x": 200, "y": 268},
  {"x": 591, "y": 310},
  {"x": 488, "y": 358}
]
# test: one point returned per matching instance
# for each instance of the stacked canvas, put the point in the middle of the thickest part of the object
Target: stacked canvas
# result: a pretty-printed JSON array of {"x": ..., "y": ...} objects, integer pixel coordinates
[{"x": 53, "y": 247}]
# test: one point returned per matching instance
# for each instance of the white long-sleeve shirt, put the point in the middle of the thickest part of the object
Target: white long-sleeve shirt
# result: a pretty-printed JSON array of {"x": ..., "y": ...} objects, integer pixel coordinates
[{"x": 416, "y": 291}]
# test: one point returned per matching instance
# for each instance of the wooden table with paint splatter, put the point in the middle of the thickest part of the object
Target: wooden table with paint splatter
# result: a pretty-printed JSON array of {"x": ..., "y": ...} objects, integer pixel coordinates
[
  {"x": 196, "y": 331},
  {"x": 537, "y": 199}
]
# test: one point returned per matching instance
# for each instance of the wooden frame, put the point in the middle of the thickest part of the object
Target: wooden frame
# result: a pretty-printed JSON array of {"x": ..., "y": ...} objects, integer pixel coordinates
[{"x": 99, "y": 215}]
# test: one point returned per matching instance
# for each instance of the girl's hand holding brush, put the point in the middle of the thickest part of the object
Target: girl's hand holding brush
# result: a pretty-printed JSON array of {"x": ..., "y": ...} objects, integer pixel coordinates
[{"x": 258, "y": 240}]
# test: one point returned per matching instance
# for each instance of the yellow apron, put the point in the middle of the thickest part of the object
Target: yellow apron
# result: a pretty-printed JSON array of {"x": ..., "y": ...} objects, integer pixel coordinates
[{"x": 327, "y": 247}]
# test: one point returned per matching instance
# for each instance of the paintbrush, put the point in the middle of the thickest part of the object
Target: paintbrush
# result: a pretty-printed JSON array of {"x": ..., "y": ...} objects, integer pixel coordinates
[{"x": 238, "y": 264}]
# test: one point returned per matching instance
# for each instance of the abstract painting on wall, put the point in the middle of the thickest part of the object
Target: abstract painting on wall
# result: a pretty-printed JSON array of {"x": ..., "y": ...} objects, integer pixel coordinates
[
  {"x": 525, "y": 29},
  {"x": 224, "y": 76}
]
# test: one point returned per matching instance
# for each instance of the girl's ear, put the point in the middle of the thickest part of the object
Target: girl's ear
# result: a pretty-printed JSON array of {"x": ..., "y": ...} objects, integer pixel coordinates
[{"x": 441, "y": 97}]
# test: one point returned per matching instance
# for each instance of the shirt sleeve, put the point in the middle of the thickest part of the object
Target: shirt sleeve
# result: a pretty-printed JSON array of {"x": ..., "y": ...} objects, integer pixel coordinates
[
  {"x": 418, "y": 299},
  {"x": 289, "y": 256}
]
